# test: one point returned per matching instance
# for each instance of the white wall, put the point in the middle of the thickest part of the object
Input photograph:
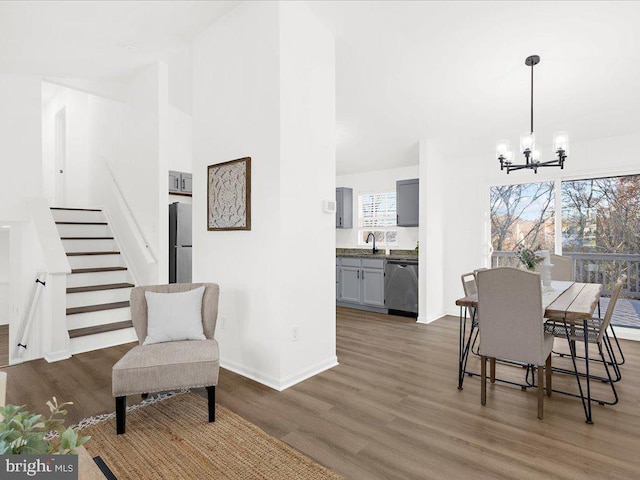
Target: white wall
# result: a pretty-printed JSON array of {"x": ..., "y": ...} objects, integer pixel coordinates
[
  {"x": 242, "y": 65},
  {"x": 77, "y": 161},
  {"x": 126, "y": 135},
  {"x": 307, "y": 177},
  {"x": 433, "y": 201},
  {"x": 20, "y": 144},
  {"x": 4, "y": 276},
  {"x": 369, "y": 182},
  {"x": 467, "y": 232}
]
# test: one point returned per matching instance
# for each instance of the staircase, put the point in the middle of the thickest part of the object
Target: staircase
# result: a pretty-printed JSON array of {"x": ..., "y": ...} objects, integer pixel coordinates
[{"x": 99, "y": 285}]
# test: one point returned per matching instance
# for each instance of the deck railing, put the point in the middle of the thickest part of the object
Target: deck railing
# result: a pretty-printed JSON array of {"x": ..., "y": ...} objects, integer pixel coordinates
[{"x": 603, "y": 268}]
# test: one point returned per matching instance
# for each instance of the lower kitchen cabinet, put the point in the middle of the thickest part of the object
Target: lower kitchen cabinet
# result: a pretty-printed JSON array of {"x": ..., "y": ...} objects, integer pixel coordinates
[
  {"x": 350, "y": 290},
  {"x": 361, "y": 283},
  {"x": 373, "y": 287}
]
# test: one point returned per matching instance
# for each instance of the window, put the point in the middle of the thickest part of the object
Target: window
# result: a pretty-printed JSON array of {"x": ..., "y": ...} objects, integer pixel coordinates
[
  {"x": 601, "y": 215},
  {"x": 377, "y": 214},
  {"x": 525, "y": 214}
]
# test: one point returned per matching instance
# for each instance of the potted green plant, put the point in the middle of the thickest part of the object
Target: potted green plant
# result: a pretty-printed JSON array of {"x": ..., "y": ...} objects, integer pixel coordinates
[
  {"x": 26, "y": 433},
  {"x": 528, "y": 257}
]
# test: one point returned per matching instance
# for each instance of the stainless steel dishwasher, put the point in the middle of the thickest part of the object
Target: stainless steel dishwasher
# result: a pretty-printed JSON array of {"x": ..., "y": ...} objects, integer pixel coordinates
[{"x": 401, "y": 287}]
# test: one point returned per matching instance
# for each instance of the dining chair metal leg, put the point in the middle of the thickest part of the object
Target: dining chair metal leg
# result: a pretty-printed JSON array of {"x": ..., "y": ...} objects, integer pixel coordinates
[
  {"x": 492, "y": 369},
  {"x": 585, "y": 330},
  {"x": 548, "y": 371},
  {"x": 615, "y": 337},
  {"x": 483, "y": 380},
  {"x": 540, "y": 391}
]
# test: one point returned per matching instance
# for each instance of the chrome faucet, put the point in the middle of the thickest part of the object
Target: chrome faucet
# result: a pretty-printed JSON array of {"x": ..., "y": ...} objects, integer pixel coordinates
[{"x": 374, "y": 242}]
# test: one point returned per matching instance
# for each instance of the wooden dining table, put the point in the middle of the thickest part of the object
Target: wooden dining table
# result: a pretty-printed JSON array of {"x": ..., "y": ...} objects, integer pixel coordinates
[{"x": 572, "y": 303}]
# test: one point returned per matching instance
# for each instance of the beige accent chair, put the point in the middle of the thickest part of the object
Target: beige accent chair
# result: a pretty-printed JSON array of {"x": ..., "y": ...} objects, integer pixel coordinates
[
  {"x": 563, "y": 269},
  {"x": 510, "y": 320},
  {"x": 172, "y": 365}
]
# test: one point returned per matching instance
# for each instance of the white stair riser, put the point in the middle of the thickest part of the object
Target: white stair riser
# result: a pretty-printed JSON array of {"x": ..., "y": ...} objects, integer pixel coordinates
[
  {"x": 102, "y": 340},
  {"x": 90, "y": 245},
  {"x": 84, "y": 231},
  {"x": 96, "y": 261},
  {"x": 103, "y": 317},
  {"x": 97, "y": 278},
  {"x": 77, "y": 216},
  {"x": 98, "y": 297}
]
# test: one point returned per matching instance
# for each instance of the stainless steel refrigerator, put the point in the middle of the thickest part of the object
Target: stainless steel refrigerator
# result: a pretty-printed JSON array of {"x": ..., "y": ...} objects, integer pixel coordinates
[{"x": 180, "y": 243}]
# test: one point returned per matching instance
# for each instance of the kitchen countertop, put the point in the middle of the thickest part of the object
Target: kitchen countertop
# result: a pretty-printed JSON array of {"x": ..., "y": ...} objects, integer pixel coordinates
[{"x": 366, "y": 253}]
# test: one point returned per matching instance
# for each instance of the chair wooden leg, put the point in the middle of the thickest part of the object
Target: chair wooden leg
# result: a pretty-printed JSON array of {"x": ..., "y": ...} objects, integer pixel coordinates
[
  {"x": 492, "y": 370},
  {"x": 483, "y": 380},
  {"x": 548, "y": 371},
  {"x": 121, "y": 414},
  {"x": 540, "y": 392},
  {"x": 211, "y": 395}
]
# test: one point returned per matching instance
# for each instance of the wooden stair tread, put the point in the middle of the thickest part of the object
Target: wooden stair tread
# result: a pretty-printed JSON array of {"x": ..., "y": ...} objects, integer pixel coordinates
[
  {"x": 76, "y": 209},
  {"x": 86, "y": 238},
  {"x": 109, "y": 327},
  {"x": 97, "y": 288},
  {"x": 96, "y": 270},
  {"x": 81, "y": 223},
  {"x": 97, "y": 308},
  {"x": 80, "y": 254}
]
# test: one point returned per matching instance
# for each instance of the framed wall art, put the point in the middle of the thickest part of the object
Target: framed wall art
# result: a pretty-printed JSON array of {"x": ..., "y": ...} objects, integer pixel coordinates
[{"x": 229, "y": 195}]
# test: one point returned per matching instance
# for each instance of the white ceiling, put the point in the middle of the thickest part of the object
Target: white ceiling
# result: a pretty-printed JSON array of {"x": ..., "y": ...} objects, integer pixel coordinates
[
  {"x": 98, "y": 39},
  {"x": 452, "y": 71}
]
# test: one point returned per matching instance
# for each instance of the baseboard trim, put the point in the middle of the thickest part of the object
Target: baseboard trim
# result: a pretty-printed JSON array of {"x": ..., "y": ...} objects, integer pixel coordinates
[
  {"x": 250, "y": 373},
  {"x": 57, "y": 356},
  {"x": 432, "y": 318},
  {"x": 272, "y": 382},
  {"x": 309, "y": 372}
]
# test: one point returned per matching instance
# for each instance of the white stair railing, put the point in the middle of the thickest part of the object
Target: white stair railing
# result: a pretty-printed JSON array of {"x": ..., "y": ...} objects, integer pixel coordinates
[
  {"x": 130, "y": 218},
  {"x": 24, "y": 330}
]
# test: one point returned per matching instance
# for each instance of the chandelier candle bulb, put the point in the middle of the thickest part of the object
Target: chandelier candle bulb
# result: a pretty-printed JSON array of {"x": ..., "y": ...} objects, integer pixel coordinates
[
  {"x": 561, "y": 142},
  {"x": 527, "y": 142}
]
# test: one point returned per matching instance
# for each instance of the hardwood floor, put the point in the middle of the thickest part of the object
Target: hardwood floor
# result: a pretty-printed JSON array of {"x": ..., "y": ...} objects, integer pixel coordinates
[
  {"x": 4, "y": 345},
  {"x": 391, "y": 409}
]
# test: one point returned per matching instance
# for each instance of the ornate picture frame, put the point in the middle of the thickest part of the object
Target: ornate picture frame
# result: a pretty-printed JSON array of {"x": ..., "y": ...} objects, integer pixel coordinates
[{"x": 229, "y": 195}]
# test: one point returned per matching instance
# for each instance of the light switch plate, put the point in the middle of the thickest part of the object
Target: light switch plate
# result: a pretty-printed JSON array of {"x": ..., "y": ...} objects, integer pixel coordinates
[{"x": 329, "y": 206}]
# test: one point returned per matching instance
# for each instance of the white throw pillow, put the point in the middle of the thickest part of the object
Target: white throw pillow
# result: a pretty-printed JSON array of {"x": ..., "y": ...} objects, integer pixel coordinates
[{"x": 174, "y": 316}]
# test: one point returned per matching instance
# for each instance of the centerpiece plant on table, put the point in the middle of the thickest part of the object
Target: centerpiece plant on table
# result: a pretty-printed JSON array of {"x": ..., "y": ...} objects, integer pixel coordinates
[
  {"x": 26, "y": 433},
  {"x": 528, "y": 257}
]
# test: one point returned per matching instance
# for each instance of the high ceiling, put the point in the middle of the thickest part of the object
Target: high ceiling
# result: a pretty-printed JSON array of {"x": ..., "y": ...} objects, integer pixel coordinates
[
  {"x": 98, "y": 39},
  {"x": 452, "y": 71}
]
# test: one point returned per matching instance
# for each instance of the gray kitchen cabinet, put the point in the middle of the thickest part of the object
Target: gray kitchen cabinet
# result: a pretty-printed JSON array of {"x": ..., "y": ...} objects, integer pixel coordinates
[
  {"x": 180, "y": 183},
  {"x": 344, "y": 207},
  {"x": 361, "y": 283},
  {"x": 186, "y": 183},
  {"x": 407, "y": 202},
  {"x": 174, "y": 181},
  {"x": 350, "y": 284},
  {"x": 373, "y": 287}
]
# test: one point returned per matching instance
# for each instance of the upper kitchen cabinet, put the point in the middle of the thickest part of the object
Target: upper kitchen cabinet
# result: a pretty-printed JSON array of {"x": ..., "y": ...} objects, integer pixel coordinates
[
  {"x": 180, "y": 183},
  {"x": 407, "y": 202},
  {"x": 344, "y": 207}
]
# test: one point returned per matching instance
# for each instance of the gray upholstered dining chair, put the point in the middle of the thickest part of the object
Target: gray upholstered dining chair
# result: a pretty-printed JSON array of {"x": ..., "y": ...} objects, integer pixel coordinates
[
  {"x": 170, "y": 365},
  {"x": 510, "y": 320}
]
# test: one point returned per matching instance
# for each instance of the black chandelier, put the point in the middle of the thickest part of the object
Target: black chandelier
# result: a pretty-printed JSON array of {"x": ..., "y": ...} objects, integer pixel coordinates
[{"x": 528, "y": 142}]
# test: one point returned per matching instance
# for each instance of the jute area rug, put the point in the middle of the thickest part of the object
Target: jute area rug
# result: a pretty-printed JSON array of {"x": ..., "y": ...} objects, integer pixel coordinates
[{"x": 172, "y": 439}]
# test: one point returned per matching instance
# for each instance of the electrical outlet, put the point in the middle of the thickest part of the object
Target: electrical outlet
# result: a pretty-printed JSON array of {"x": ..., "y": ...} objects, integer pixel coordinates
[
  {"x": 294, "y": 334},
  {"x": 223, "y": 322}
]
